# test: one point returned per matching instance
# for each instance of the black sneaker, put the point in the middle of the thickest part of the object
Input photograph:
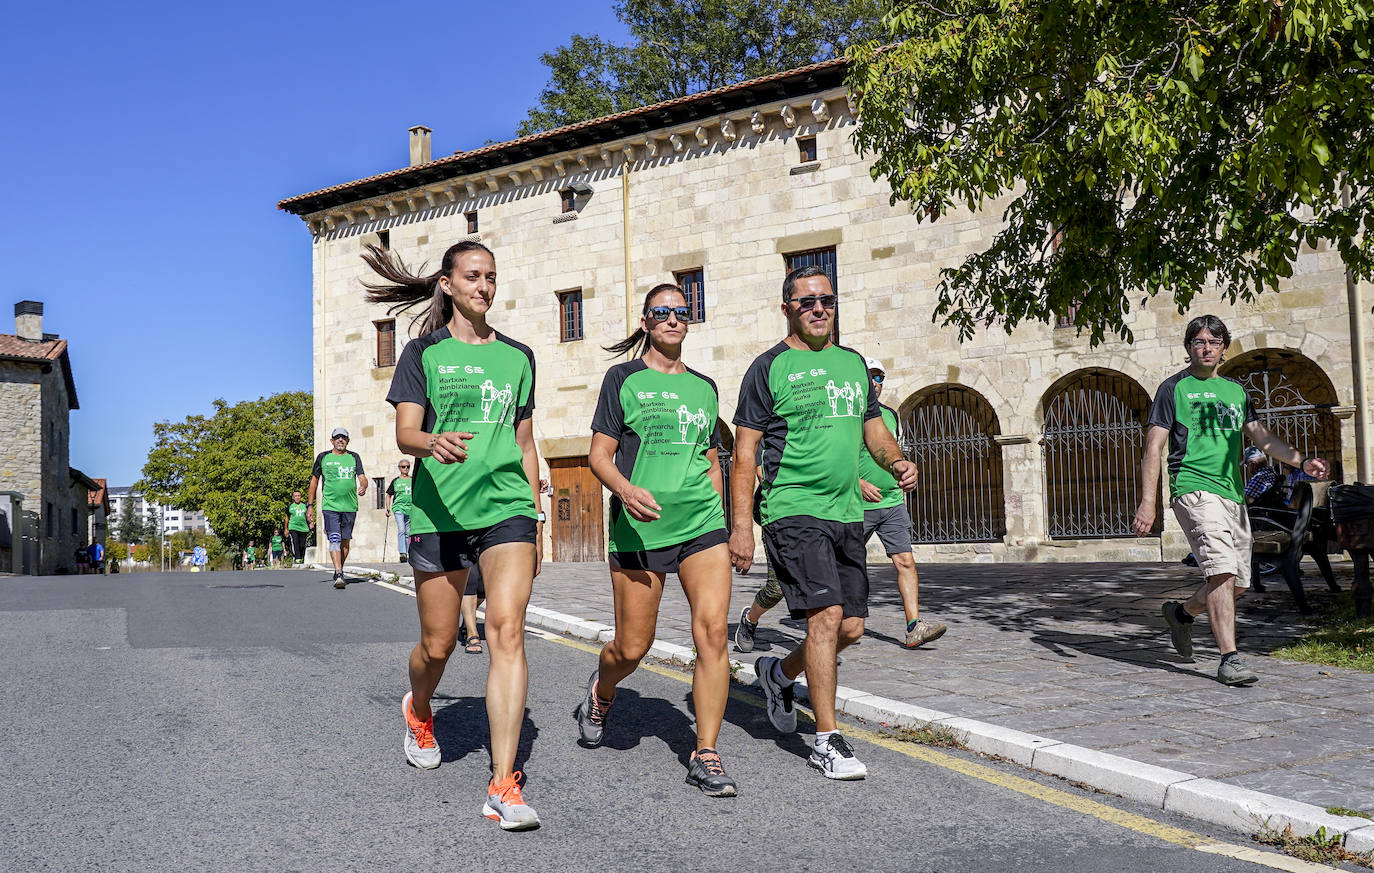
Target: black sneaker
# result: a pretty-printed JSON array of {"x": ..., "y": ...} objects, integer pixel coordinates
[
  {"x": 744, "y": 632},
  {"x": 591, "y": 715},
  {"x": 339, "y": 581},
  {"x": 405, "y": 559},
  {"x": 707, "y": 773}
]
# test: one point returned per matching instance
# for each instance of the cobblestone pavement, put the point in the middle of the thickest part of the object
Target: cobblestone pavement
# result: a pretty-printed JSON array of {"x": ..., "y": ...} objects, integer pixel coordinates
[{"x": 1079, "y": 653}]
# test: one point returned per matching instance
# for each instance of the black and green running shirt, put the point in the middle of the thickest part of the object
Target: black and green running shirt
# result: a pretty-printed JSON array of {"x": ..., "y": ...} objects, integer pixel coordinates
[
  {"x": 882, "y": 478},
  {"x": 664, "y": 425},
  {"x": 338, "y": 475},
  {"x": 298, "y": 519},
  {"x": 1205, "y": 419},
  {"x": 811, "y": 408},
  {"x": 485, "y": 389},
  {"x": 399, "y": 489}
]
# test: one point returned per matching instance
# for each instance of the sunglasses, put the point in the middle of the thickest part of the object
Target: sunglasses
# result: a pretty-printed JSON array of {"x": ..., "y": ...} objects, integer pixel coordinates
[
  {"x": 661, "y": 313},
  {"x": 827, "y": 301},
  {"x": 877, "y": 377}
]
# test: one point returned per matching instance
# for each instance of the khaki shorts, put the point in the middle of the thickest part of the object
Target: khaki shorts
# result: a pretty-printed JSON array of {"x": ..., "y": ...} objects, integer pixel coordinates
[{"x": 1219, "y": 532}]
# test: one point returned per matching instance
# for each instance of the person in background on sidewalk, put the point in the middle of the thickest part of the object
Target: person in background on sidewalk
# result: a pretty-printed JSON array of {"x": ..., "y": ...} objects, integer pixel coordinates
[
  {"x": 278, "y": 548},
  {"x": 339, "y": 474},
  {"x": 95, "y": 553},
  {"x": 473, "y": 595},
  {"x": 884, "y": 514},
  {"x": 655, "y": 448},
  {"x": 812, "y": 406},
  {"x": 1201, "y": 417},
  {"x": 464, "y": 399},
  {"x": 299, "y": 521},
  {"x": 1260, "y": 478},
  {"x": 398, "y": 505},
  {"x": 250, "y": 556}
]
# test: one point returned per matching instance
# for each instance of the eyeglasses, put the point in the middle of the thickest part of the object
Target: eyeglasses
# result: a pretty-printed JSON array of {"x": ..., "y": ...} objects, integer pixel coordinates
[
  {"x": 661, "y": 313},
  {"x": 827, "y": 301},
  {"x": 877, "y": 377},
  {"x": 1207, "y": 344},
  {"x": 403, "y": 466}
]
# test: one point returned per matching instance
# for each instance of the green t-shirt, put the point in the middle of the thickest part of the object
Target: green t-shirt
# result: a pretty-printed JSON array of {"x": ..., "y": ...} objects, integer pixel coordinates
[
  {"x": 338, "y": 475},
  {"x": 664, "y": 424},
  {"x": 399, "y": 489},
  {"x": 1205, "y": 419},
  {"x": 485, "y": 389},
  {"x": 298, "y": 518},
  {"x": 252, "y": 553},
  {"x": 278, "y": 545},
  {"x": 870, "y": 472},
  {"x": 811, "y": 408}
]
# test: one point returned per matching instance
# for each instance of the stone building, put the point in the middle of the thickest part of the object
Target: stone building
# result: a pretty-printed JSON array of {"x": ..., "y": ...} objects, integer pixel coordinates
[
  {"x": 46, "y": 500},
  {"x": 1029, "y": 443}
]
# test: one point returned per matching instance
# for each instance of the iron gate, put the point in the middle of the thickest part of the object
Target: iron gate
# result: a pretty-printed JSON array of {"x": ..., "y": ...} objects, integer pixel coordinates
[
  {"x": 958, "y": 497},
  {"x": 1293, "y": 398},
  {"x": 1094, "y": 438}
]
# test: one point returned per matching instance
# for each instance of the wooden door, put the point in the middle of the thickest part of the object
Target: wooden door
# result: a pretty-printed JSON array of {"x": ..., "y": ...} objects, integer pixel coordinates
[{"x": 576, "y": 511}]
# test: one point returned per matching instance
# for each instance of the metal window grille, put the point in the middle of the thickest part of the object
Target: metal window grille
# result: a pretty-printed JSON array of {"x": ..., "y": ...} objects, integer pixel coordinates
[
  {"x": 570, "y": 315},
  {"x": 386, "y": 342},
  {"x": 1093, "y": 439},
  {"x": 958, "y": 497},
  {"x": 1293, "y": 397},
  {"x": 693, "y": 285},
  {"x": 825, "y": 259}
]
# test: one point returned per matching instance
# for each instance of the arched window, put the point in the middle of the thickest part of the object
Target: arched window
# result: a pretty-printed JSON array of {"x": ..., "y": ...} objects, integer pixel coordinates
[
  {"x": 1093, "y": 438},
  {"x": 1293, "y": 397},
  {"x": 948, "y": 431}
]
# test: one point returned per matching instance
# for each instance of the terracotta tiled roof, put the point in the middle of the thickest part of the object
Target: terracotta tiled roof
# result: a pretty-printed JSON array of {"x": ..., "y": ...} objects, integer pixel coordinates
[
  {"x": 426, "y": 173},
  {"x": 12, "y": 346}
]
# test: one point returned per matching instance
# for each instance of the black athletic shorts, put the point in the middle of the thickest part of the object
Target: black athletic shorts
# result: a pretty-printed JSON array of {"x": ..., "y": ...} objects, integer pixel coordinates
[
  {"x": 819, "y": 563},
  {"x": 668, "y": 558},
  {"x": 458, "y": 549}
]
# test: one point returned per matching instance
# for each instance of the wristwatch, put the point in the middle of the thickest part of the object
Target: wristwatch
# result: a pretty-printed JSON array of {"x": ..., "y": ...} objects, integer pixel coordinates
[{"x": 543, "y": 517}]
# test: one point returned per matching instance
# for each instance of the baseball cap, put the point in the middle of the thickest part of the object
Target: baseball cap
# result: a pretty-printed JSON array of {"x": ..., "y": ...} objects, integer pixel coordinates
[
  {"x": 875, "y": 364},
  {"x": 339, "y": 432},
  {"x": 1252, "y": 454}
]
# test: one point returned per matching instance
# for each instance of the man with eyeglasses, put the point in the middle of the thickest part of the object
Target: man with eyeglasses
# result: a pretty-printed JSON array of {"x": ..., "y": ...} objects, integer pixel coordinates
[
  {"x": 339, "y": 474},
  {"x": 1203, "y": 417},
  {"x": 398, "y": 506},
  {"x": 811, "y": 508}
]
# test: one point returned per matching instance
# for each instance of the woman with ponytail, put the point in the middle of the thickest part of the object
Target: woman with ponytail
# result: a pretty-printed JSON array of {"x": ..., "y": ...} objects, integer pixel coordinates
[
  {"x": 464, "y": 398},
  {"x": 654, "y": 447}
]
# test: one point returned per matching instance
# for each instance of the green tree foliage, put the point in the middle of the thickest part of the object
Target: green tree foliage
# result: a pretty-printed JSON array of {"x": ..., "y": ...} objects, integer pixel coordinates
[
  {"x": 1142, "y": 146},
  {"x": 132, "y": 528},
  {"x": 681, "y": 47},
  {"x": 239, "y": 466}
]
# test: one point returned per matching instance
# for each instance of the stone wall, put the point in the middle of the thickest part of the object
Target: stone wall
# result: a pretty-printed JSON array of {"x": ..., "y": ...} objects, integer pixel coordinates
[{"x": 733, "y": 206}]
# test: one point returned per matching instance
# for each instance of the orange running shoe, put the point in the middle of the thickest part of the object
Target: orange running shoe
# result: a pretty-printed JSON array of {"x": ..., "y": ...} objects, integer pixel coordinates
[
  {"x": 507, "y": 807},
  {"x": 421, "y": 749}
]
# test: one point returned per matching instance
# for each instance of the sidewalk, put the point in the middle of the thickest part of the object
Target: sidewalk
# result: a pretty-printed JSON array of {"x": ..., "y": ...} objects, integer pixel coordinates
[{"x": 1077, "y": 654}]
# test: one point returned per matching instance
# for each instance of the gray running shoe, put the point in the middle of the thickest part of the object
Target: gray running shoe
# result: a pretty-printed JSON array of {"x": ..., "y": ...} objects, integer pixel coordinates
[
  {"x": 923, "y": 632},
  {"x": 1180, "y": 632},
  {"x": 780, "y": 710},
  {"x": 744, "y": 632},
  {"x": 420, "y": 747},
  {"x": 507, "y": 807},
  {"x": 591, "y": 715},
  {"x": 836, "y": 759},
  {"x": 707, "y": 773},
  {"x": 1234, "y": 671}
]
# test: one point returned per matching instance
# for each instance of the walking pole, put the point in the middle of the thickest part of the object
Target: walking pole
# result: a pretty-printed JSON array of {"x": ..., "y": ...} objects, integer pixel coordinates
[{"x": 386, "y": 535}]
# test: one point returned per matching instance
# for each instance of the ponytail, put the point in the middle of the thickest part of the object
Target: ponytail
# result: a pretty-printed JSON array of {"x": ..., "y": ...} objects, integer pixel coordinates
[
  {"x": 637, "y": 343},
  {"x": 404, "y": 289}
]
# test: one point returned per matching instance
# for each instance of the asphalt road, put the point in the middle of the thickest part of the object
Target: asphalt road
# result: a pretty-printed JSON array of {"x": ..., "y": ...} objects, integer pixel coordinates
[{"x": 251, "y": 721}]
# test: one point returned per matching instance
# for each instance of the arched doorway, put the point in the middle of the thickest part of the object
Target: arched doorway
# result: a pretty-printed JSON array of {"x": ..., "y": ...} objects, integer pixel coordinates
[
  {"x": 1093, "y": 439},
  {"x": 1293, "y": 397},
  {"x": 948, "y": 431}
]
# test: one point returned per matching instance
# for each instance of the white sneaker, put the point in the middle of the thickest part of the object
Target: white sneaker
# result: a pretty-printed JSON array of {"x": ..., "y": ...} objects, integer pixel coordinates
[
  {"x": 507, "y": 807},
  {"x": 421, "y": 748},
  {"x": 835, "y": 758},
  {"x": 780, "y": 710}
]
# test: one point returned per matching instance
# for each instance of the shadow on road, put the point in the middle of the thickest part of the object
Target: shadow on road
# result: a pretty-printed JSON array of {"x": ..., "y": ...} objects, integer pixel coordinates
[{"x": 461, "y": 728}]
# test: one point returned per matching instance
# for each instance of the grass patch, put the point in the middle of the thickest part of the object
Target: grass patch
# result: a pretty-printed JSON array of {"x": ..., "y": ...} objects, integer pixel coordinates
[
  {"x": 1342, "y": 810},
  {"x": 1336, "y": 638},
  {"x": 1317, "y": 848},
  {"x": 930, "y": 735}
]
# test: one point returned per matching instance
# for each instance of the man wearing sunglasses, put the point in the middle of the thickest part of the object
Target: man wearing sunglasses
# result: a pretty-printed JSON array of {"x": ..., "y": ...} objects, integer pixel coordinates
[
  {"x": 812, "y": 509},
  {"x": 398, "y": 506}
]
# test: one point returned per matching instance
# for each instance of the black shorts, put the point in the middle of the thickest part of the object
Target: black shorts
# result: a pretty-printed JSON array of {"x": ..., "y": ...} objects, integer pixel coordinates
[
  {"x": 668, "y": 558},
  {"x": 819, "y": 563},
  {"x": 458, "y": 549},
  {"x": 476, "y": 587}
]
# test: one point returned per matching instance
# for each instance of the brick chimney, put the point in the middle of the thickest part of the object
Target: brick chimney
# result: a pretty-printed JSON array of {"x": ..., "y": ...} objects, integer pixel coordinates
[
  {"x": 28, "y": 320},
  {"x": 419, "y": 144}
]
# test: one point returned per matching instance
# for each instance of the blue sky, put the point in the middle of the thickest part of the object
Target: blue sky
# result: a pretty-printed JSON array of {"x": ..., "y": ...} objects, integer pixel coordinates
[{"x": 147, "y": 145}]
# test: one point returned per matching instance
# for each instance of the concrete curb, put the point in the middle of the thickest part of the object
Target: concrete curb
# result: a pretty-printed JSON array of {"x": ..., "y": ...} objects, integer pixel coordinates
[{"x": 1185, "y": 794}]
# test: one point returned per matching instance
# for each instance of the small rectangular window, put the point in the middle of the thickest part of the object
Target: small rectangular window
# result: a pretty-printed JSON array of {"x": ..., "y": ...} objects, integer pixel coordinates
[
  {"x": 570, "y": 315},
  {"x": 807, "y": 145},
  {"x": 379, "y": 489},
  {"x": 386, "y": 342},
  {"x": 472, "y": 221},
  {"x": 75, "y": 529},
  {"x": 384, "y": 240},
  {"x": 825, "y": 259},
  {"x": 693, "y": 285},
  {"x": 47, "y": 522},
  {"x": 569, "y": 199}
]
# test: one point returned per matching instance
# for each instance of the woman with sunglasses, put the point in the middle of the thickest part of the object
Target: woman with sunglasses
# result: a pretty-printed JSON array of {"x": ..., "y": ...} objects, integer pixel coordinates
[
  {"x": 654, "y": 447},
  {"x": 464, "y": 398}
]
